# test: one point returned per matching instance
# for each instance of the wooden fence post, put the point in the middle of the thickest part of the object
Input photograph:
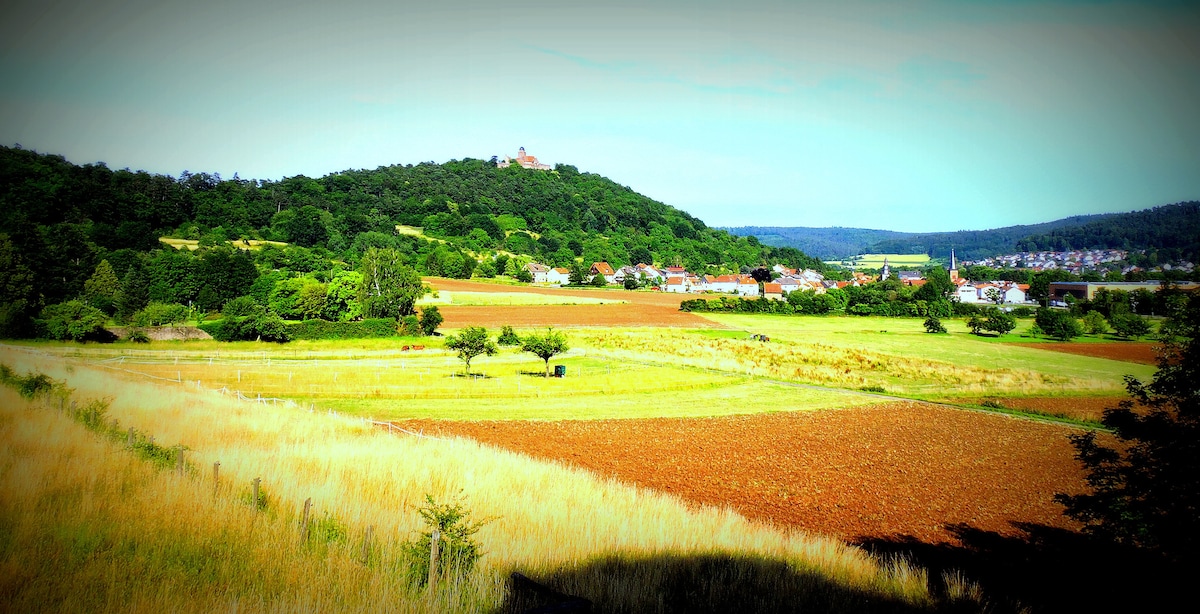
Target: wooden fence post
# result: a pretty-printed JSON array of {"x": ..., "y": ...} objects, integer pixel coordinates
[
  {"x": 179, "y": 461},
  {"x": 256, "y": 483},
  {"x": 366, "y": 557},
  {"x": 129, "y": 438},
  {"x": 216, "y": 476},
  {"x": 304, "y": 520},
  {"x": 433, "y": 559}
]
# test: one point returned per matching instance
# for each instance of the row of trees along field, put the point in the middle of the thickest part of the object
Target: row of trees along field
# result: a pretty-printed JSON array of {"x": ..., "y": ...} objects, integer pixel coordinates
[{"x": 58, "y": 221}]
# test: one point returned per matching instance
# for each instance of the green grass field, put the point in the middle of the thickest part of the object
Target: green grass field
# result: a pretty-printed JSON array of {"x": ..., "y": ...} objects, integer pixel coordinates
[
  {"x": 875, "y": 261},
  {"x": 810, "y": 363}
]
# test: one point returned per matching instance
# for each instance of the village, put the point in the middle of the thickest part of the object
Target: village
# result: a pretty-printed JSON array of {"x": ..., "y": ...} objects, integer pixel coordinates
[{"x": 784, "y": 281}]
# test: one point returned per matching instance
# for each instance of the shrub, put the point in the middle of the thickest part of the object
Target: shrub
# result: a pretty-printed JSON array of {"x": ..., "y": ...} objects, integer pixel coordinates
[
  {"x": 1022, "y": 312},
  {"x": 508, "y": 337},
  {"x": 324, "y": 329},
  {"x": 934, "y": 325},
  {"x": 72, "y": 320},
  {"x": 138, "y": 335},
  {"x": 239, "y": 307},
  {"x": 409, "y": 326},
  {"x": 457, "y": 551},
  {"x": 158, "y": 314}
]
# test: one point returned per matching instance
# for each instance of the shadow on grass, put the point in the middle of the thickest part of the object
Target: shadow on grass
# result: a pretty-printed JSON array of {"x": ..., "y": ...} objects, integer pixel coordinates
[
  {"x": 1047, "y": 569},
  {"x": 697, "y": 584}
]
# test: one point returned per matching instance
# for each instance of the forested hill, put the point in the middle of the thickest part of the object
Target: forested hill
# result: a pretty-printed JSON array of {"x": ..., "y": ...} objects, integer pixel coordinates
[
  {"x": 832, "y": 243},
  {"x": 1173, "y": 231},
  {"x": 62, "y": 219},
  {"x": 836, "y": 243}
]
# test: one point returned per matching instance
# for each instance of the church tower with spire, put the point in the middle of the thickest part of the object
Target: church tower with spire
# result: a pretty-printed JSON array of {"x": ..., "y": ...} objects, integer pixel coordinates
[
  {"x": 887, "y": 270},
  {"x": 953, "y": 267}
]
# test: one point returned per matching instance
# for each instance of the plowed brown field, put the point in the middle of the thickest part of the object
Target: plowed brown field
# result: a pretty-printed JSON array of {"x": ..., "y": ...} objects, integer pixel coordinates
[
  {"x": 878, "y": 471},
  {"x": 1128, "y": 351},
  {"x": 640, "y": 309}
]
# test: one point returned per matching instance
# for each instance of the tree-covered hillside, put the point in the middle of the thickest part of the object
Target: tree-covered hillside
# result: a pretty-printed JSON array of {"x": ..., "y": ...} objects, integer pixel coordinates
[
  {"x": 1171, "y": 231},
  {"x": 59, "y": 221},
  {"x": 838, "y": 243},
  {"x": 825, "y": 243}
]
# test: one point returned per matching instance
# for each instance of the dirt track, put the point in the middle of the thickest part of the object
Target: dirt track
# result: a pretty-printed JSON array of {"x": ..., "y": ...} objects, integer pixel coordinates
[{"x": 886, "y": 470}]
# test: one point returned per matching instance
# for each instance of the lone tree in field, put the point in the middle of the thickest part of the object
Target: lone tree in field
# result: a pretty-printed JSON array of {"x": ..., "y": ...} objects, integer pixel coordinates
[
  {"x": 545, "y": 346},
  {"x": 471, "y": 342},
  {"x": 1146, "y": 487}
]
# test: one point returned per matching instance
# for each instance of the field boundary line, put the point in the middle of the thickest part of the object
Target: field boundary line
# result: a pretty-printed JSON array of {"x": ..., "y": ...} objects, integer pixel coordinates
[{"x": 862, "y": 393}]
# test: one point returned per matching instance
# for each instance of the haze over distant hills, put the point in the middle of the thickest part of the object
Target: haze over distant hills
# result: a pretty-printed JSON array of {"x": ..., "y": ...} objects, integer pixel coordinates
[{"x": 1172, "y": 229}]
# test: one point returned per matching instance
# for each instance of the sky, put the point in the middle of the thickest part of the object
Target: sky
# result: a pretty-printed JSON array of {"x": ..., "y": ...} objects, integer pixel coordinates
[{"x": 910, "y": 116}]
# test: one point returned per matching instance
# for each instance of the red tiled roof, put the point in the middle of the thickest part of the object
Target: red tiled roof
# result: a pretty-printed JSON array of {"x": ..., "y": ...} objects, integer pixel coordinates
[{"x": 602, "y": 268}]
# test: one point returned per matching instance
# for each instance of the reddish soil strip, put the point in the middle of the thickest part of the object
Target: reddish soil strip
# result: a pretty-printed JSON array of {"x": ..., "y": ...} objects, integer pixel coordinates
[
  {"x": 885, "y": 470},
  {"x": 1079, "y": 408},
  {"x": 1128, "y": 351},
  {"x": 639, "y": 309},
  {"x": 525, "y": 316},
  {"x": 662, "y": 299}
]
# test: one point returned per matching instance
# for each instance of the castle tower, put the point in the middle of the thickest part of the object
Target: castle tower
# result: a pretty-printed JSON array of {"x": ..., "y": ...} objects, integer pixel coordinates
[
  {"x": 521, "y": 154},
  {"x": 953, "y": 267},
  {"x": 887, "y": 270}
]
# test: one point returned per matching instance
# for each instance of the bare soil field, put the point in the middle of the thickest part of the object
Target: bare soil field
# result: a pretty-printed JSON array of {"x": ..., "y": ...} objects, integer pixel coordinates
[
  {"x": 1128, "y": 351},
  {"x": 897, "y": 469},
  {"x": 640, "y": 309},
  {"x": 1079, "y": 408}
]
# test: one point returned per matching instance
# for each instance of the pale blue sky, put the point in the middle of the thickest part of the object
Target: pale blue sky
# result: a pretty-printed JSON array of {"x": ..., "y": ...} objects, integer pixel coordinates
[{"x": 913, "y": 116}]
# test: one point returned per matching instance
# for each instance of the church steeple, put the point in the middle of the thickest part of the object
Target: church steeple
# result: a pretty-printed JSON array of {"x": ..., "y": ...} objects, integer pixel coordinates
[
  {"x": 953, "y": 266},
  {"x": 887, "y": 270}
]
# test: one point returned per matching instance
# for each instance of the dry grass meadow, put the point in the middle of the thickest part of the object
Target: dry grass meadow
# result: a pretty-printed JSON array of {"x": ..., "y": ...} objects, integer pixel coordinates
[{"x": 90, "y": 527}]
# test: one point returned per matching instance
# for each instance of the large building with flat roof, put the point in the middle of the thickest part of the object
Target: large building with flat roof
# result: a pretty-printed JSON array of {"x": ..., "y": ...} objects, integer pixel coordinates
[{"x": 1086, "y": 290}]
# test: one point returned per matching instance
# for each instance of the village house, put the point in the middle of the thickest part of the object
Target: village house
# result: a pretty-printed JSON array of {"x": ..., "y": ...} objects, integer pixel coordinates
[
  {"x": 772, "y": 290},
  {"x": 746, "y": 286},
  {"x": 723, "y": 283},
  {"x": 677, "y": 284},
  {"x": 602, "y": 268},
  {"x": 675, "y": 271},
  {"x": 558, "y": 275},
  {"x": 538, "y": 271}
]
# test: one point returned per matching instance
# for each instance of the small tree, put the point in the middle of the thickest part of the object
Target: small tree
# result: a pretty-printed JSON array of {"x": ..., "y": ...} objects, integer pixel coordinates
[
  {"x": 430, "y": 319},
  {"x": 1130, "y": 325},
  {"x": 524, "y": 276},
  {"x": 1057, "y": 323},
  {"x": 1094, "y": 323},
  {"x": 578, "y": 274},
  {"x": 934, "y": 325},
  {"x": 469, "y": 343},
  {"x": 599, "y": 281},
  {"x": 630, "y": 283},
  {"x": 545, "y": 346}
]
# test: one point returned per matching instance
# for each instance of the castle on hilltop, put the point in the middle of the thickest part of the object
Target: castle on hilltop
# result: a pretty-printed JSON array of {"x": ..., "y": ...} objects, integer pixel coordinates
[{"x": 524, "y": 160}]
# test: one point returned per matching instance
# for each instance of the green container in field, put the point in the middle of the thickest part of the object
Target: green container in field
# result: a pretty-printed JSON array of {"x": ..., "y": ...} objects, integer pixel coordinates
[{"x": 560, "y": 370}]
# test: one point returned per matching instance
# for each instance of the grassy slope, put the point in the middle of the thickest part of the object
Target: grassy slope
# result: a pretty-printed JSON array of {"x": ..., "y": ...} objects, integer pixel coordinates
[{"x": 88, "y": 528}]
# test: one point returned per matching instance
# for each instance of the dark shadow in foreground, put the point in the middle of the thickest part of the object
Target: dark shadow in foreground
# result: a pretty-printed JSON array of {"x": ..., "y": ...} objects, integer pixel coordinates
[
  {"x": 698, "y": 584},
  {"x": 1047, "y": 569}
]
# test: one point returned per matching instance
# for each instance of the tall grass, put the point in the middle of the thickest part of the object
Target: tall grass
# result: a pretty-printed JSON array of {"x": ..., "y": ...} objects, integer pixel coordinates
[{"x": 88, "y": 526}]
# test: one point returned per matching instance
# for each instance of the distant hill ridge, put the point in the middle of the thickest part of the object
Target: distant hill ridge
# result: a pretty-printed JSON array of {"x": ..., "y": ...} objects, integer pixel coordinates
[{"x": 1172, "y": 229}]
